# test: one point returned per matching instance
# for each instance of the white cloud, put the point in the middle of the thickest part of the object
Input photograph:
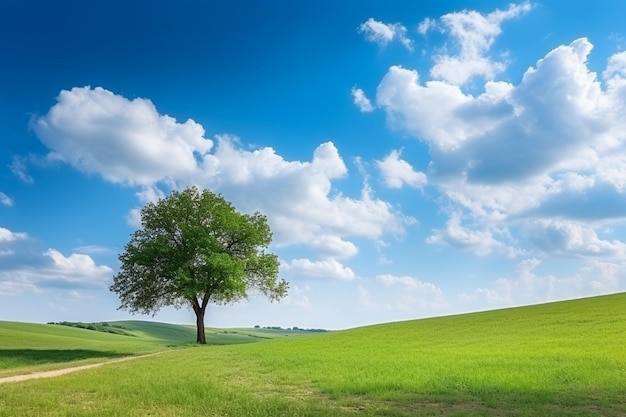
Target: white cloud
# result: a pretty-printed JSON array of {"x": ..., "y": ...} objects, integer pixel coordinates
[
  {"x": 616, "y": 67},
  {"x": 396, "y": 172},
  {"x": 407, "y": 294},
  {"x": 298, "y": 197},
  {"x": 25, "y": 269},
  {"x": 150, "y": 194},
  {"x": 133, "y": 218},
  {"x": 567, "y": 238},
  {"x": 7, "y": 235},
  {"x": 454, "y": 234},
  {"x": 125, "y": 141},
  {"x": 130, "y": 142},
  {"x": 6, "y": 200},
  {"x": 473, "y": 35},
  {"x": 324, "y": 269},
  {"x": 383, "y": 33},
  {"x": 75, "y": 269},
  {"x": 92, "y": 249},
  {"x": 526, "y": 286},
  {"x": 426, "y": 25},
  {"x": 408, "y": 283},
  {"x": 431, "y": 112},
  {"x": 551, "y": 146},
  {"x": 16, "y": 286},
  {"x": 361, "y": 101},
  {"x": 333, "y": 246},
  {"x": 18, "y": 168}
]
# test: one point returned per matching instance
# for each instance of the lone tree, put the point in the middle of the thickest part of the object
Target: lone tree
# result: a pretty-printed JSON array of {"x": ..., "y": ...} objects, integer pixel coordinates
[{"x": 194, "y": 248}]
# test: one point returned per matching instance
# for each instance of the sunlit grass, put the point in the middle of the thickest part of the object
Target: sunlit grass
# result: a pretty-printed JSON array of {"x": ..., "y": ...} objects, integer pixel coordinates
[
  {"x": 29, "y": 347},
  {"x": 561, "y": 359}
]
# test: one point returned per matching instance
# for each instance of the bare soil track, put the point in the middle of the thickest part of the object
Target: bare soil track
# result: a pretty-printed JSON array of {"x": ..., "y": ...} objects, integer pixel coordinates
[{"x": 58, "y": 372}]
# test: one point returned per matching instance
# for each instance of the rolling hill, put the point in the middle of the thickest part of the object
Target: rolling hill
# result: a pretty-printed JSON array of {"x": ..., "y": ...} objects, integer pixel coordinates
[{"x": 558, "y": 359}]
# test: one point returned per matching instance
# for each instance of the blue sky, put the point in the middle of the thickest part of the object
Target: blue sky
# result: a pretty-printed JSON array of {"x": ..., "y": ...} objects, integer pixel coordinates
[{"x": 413, "y": 159}]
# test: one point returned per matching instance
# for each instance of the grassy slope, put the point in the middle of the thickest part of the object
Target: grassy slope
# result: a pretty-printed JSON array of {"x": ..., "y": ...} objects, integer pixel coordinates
[
  {"x": 184, "y": 333},
  {"x": 28, "y": 347},
  {"x": 560, "y": 359},
  {"x": 173, "y": 333}
]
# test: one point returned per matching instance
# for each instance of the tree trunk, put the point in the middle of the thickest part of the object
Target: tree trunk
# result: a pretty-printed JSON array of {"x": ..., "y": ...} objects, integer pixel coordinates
[{"x": 200, "y": 336}]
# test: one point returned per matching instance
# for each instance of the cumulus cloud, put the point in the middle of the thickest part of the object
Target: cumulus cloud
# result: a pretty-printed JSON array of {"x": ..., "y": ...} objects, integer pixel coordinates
[
  {"x": 508, "y": 132},
  {"x": 480, "y": 242},
  {"x": 76, "y": 267},
  {"x": 361, "y": 101},
  {"x": 324, "y": 269},
  {"x": 551, "y": 146},
  {"x": 129, "y": 142},
  {"x": 473, "y": 35},
  {"x": 383, "y": 33},
  {"x": 430, "y": 111},
  {"x": 333, "y": 246},
  {"x": 616, "y": 67},
  {"x": 566, "y": 238},
  {"x": 24, "y": 268},
  {"x": 124, "y": 141},
  {"x": 397, "y": 172},
  {"x": 6, "y": 200},
  {"x": 7, "y": 235},
  {"x": 586, "y": 199},
  {"x": 298, "y": 196},
  {"x": 526, "y": 286}
]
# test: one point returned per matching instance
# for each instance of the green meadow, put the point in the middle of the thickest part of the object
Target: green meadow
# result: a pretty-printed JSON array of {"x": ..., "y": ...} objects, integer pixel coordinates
[
  {"x": 558, "y": 359},
  {"x": 29, "y": 347}
]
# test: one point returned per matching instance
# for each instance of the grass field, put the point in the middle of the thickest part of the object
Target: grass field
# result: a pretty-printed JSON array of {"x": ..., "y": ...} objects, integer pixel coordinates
[
  {"x": 29, "y": 347},
  {"x": 560, "y": 359}
]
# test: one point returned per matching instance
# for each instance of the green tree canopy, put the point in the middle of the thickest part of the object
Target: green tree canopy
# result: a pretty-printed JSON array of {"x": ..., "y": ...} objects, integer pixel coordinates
[{"x": 195, "y": 248}]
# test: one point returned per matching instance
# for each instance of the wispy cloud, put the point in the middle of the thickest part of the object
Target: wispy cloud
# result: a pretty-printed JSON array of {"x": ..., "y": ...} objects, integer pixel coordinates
[
  {"x": 361, "y": 101},
  {"x": 407, "y": 294},
  {"x": 18, "y": 168},
  {"x": 384, "y": 33},
  {"x": 528, "y": 286},
  {"x": 473, "y": 34},
  {"x": 6, "y": 200},
  {"x": 92, "y": 249}
]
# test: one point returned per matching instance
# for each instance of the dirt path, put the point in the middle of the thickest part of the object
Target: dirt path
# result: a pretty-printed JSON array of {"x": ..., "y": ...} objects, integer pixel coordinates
[{"x": 58, "y": 372}]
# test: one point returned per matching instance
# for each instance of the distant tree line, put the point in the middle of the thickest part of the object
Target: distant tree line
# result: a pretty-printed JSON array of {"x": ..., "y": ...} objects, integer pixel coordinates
[
  {"x": 98, "y": 327},
  {"x": 294, "y": 328}
]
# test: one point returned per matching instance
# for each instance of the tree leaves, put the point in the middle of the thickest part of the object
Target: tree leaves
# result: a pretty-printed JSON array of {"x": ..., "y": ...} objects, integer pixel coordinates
[{"x": 194, "y": 247}]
